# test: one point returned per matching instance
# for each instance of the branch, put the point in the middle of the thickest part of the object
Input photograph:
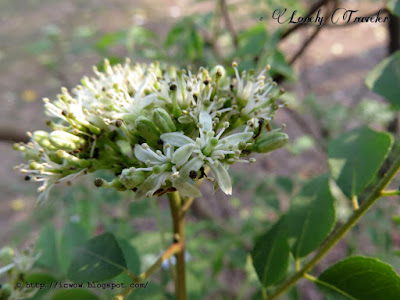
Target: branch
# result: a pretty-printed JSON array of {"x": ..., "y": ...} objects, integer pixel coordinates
[
  {"x": 173, "y": 249},
  {"x": 306, "y": 128},
  {"x": 228, "y": 23},
  {"x": 341, "y": 231},
  {"x": 382, "y": 10},
  {"x": 310, "y": 12},
  {"x": 304, "y": 46},
  {"x": 13, "y": 136}
]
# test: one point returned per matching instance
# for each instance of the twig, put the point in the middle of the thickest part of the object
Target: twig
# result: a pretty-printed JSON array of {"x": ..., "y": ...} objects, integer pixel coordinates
[
  {"x": 382, "y": 10},
  {"x": 174, "y": 248},
  {"x": 310, "y": 12},
  {"x": 304, "y": 46},
  {"x": 342, "y": 230},
  {"x": 228, "y": 23},
  {"x": 306, "y": 127},
  {"x": 13, "y": 136}
]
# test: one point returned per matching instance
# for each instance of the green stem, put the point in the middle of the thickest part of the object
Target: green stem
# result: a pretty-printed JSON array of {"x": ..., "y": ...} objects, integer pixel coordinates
[
  {"x": 178, "y": 220},
  {"x": 390, "y": 193},
  {"x": 174, "y": 248},
  {"x": 341, "y": 231},
  {"x": 156, "y": 207}
]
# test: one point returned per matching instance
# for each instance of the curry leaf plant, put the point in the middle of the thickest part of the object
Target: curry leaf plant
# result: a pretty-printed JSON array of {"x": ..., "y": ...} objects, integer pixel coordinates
[{"x": 159, "y": 130}]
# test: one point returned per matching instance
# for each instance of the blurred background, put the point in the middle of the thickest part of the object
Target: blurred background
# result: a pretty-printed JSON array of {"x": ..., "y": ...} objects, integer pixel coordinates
[{"x": 49, "y": 44}]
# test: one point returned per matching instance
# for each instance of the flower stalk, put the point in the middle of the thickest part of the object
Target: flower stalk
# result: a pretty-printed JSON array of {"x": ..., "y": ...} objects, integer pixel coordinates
[{"x": 178, "y": 221}]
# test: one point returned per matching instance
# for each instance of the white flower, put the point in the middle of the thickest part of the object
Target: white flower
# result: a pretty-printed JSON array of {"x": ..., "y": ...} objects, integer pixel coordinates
[
  {"x": 177, "y": 122},
  {"x": 165, "y": 168},
  {"x": 210, "y": 150}
]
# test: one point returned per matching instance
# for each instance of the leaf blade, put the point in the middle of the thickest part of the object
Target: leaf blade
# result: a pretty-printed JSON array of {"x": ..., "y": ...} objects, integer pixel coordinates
[
  {"x": 271, "y": 254},
  {"x": 98, "y": 259},
  {"x": 348, "y": 154},
  {"x": 363, "y": 278},
  {"x": 384, "y": 78},
  {"x": 311, "y": 216}
]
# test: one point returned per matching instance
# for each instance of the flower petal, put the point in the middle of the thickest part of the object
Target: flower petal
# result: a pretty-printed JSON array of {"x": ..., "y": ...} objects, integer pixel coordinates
[
  {"x": 205, "y": 120},
  {"x": 144, "y": 155},
  {"x": 182, "y": 154},
  {"x": 177, "y": 139},
  {"x": 233, "y": 140},
  {"x": 150, "y": 185},
  {"x": 222, "y": 177},
  {"x": 193, "y": 165},
  {"x": 187, "y": 189}
]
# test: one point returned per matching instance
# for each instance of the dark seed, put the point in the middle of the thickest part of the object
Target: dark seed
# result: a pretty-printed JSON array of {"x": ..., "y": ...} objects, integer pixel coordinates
[
  {"x": 119, "y": 123},
  {"x": 193, "y": 174},
  {"x": 98, "y": 182}
]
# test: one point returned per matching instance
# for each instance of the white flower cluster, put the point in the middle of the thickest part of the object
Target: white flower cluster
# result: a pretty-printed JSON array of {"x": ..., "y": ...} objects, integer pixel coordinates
[
  {"x": 15, "y": 265},
  {"x": 156, "y": 129}
]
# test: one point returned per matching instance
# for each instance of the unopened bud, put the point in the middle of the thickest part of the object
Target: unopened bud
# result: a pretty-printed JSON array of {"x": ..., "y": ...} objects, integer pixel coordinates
[
  {"x": 99, "y": 182},
  {"x": 42, "y": 138},
  {"x": 270, "y": 141},
  {"x": 163, "y": 121},
  {"x": 218, "y": 71},
  {"x": 147, "y": 129},
  {"x": 66, "y": 141},
  {"x": 131, "y": 178}
]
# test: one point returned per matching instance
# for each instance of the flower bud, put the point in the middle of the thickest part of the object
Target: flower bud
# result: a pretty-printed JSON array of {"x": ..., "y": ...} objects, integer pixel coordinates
[
  {"x": 131, "y": 178},
  {"x": 5, "y": 291},
  {"x": 6, "y": 255},
  {"x": 73, "y": 159},
  {"x": 33, "y": 165},
  {"x": 218, "y": 71},
  {"x": 42, "y": 138},
  {"x": 163, "y": 121},
  {"x": 115, "y": 183},
  {"x": 66, "y": 141},
  {"x": 270, "y": 141},
  {"x": 147, "y": 129}
]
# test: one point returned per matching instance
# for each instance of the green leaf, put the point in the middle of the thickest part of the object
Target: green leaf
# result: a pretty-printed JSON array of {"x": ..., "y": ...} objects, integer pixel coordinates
[
  {"x": 311, "y": 216},
  {"x": 131, "y": 256},
  {"x": 40, "y": 279},
  {"x": 271, "y": 255},
  {"x": 384, "y": 79},
  {"x": 76, "y": 294},
  {"x": 279, "y": 65},
  {"x": 173, "y": 35},
  {"x": 74, "y": 235},
  {"x": 355, "y": 157},
  {"x": 153, "y": 291},
  {"x": 285, "y": 183},
  {"x": 361, "y": 278},
  {"x": 98, "y": 259},
  {"x": 40, "y": 46},
  {"x": 47, "y": 246},
  {"x": 252, "y": 41},
  {"x": 110, "y": 39},
  {"x": 394, "y": 7}
]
